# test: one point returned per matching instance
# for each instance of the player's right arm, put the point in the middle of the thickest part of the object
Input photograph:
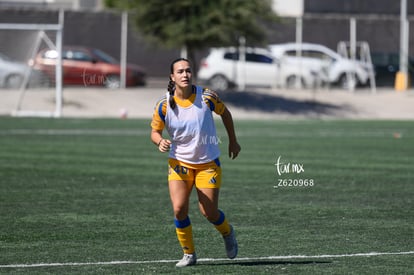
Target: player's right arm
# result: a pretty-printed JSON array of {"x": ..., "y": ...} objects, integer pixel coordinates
[
  {"x": 158, "y": 124},
  {"x": 162, "y": 143}
]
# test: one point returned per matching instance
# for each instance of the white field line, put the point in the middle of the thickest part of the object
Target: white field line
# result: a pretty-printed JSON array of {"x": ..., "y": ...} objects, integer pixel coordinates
[
  {"x": 76, "y": 132},
  {"x": 145, "y": 131},
  {"x": 369, "y": 254}
]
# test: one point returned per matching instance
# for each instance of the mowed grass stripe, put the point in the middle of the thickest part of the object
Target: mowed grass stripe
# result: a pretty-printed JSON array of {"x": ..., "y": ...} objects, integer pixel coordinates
[{"x": 96, "y": 197}]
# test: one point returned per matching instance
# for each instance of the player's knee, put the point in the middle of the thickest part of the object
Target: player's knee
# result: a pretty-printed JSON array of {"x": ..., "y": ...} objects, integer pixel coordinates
[
  {"x": 180, "y": 213},
  {"x": 211, "y": 215}
]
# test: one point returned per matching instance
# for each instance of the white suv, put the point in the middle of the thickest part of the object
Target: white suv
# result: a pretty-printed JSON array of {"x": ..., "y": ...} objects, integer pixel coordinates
[
  {"x": 222, "y": 69},
  {"x": 321, "y": 58}
]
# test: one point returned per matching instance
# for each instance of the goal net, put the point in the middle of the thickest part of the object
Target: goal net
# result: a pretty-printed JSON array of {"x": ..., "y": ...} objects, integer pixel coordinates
[{"x": 29, "y": 86}]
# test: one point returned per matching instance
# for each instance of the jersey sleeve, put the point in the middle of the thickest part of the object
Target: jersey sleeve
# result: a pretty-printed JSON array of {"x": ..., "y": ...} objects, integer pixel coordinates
[
  {"x": 213, "y": 101},
  {"x": 158, "y": 117}
]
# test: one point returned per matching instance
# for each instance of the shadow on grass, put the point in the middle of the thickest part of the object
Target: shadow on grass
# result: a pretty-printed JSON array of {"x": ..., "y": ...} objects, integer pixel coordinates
[
  {"x": 253, "y": 101},
  {"x": 266, "y": 262}
]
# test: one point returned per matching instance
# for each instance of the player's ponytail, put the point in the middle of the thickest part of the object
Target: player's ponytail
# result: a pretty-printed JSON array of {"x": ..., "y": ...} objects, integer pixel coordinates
[{"x": 171, "y": 89}]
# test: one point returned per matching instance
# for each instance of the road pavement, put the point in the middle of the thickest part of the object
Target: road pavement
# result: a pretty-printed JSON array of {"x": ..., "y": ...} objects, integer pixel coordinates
[{"x": 139, "y": 102}]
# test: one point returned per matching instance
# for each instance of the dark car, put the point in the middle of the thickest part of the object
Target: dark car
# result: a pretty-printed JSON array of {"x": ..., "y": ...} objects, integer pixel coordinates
[
  {"x": 88, "y": 67},
  {"x": 386, "y": 66}
]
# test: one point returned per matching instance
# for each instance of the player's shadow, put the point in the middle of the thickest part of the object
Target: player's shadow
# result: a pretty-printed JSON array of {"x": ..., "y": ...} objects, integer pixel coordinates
[
  {"x": 254, "y": 101},
  {"x": 266, "y": 262}
]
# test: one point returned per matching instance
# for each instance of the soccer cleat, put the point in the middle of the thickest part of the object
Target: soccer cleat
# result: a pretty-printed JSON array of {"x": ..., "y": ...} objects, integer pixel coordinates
[
  {"x": 230, "y": 243},
  {"x": 187, "y": 260}
]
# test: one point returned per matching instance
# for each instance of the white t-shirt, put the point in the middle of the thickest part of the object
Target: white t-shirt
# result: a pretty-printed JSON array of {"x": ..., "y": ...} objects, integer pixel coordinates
[{"x": 192, "y": 131}]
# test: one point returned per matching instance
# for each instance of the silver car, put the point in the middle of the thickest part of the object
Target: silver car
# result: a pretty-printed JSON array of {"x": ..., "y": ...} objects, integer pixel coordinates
[
  {"x": 223, "y": 69},
  {"x": 321, "y": 58},
  {"x": 12, "y": 74}
]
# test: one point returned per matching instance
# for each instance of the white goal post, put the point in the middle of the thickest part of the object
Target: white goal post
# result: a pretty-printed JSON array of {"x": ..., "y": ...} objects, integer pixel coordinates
[{"x": 42, "y": 28}]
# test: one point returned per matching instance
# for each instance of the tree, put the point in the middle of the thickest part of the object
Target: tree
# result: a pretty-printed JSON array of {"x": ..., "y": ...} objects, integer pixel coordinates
[{"x": 197, "y": 24}]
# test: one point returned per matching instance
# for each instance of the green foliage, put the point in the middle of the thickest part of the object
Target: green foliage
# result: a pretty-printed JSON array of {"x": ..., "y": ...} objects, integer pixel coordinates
[{"x": 200, "y": 24}]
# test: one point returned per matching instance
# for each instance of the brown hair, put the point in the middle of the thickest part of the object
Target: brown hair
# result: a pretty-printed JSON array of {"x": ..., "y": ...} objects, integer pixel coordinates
[{"x": 171, "y": 83}]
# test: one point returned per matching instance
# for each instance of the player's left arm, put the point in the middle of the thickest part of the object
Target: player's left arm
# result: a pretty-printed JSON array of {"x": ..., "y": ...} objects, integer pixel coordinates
[
  {"x": 234, "y": 147},
  {"x": 214, "y": 102}
]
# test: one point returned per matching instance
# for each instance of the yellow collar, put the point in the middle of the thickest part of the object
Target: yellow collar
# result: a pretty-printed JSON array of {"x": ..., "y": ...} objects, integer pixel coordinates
[{"x": 185, "y": 102}]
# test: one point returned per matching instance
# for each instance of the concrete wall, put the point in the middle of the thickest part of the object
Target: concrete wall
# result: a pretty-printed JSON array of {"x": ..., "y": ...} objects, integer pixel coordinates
[
  {"x": 356, "y": 6},
  {"x": 102, "y": 30}
]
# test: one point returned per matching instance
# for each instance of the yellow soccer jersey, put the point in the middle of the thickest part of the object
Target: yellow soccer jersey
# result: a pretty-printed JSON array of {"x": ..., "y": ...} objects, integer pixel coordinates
[{"x": 210, "y": 98}]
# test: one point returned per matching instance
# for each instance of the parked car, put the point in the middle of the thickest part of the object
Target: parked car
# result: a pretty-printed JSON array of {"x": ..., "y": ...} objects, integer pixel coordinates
[
  {"x": 321, "y": 58},
  {"x": 12, "y": 73},
  {"x": 88, "y": 67},
  {"x": 387, "y": 65},
  {"x": 222, "y": 69}
]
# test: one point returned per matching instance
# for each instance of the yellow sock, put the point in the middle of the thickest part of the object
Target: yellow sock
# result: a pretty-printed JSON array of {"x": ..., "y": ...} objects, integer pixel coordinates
[
  {"x": 184, "y": 232},
  {"x": 222, "y": 225}
]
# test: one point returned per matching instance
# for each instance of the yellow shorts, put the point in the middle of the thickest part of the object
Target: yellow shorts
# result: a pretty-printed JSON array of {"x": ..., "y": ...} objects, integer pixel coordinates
[{"x": 206, "y": 175}]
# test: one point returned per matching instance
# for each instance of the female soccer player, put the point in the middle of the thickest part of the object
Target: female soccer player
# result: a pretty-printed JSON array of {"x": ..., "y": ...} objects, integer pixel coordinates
[{"x": 186, "y": 113}]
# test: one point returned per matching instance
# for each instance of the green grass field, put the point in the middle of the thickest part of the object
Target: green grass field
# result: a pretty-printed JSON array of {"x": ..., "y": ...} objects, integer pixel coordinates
[{"x": 86, "y": 191}]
